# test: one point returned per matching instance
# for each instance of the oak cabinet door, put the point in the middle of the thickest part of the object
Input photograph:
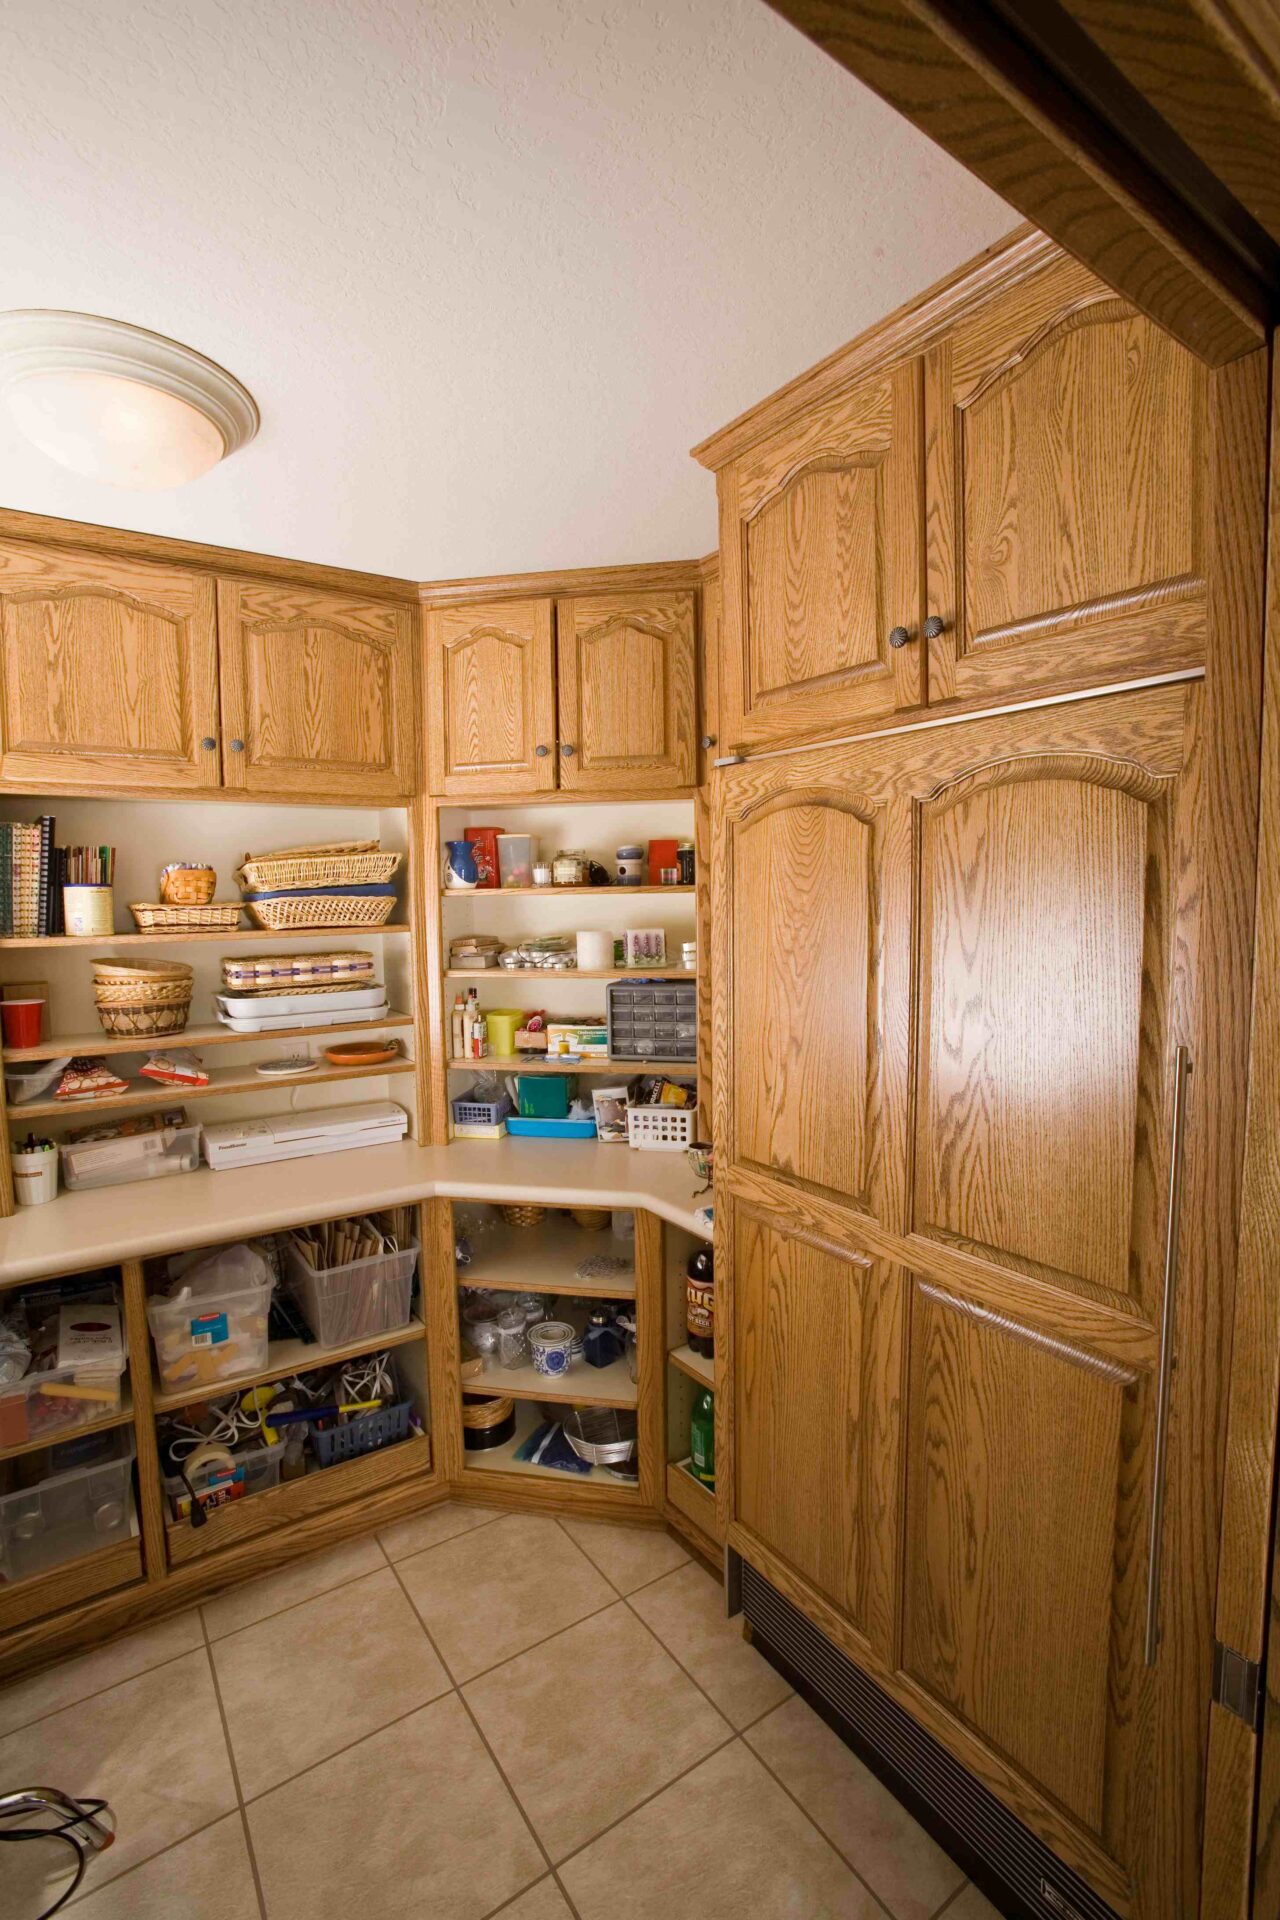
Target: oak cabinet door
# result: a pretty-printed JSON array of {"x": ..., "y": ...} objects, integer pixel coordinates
[
  {"x": 491, "y": 703},
  {"x": 626, "y": 691},
  {"x": 109, "y": 672},
  {"x": 1069, "y": 494},
  {"x": 821, "y": 552},
  {"x": 318, "y": 693}
]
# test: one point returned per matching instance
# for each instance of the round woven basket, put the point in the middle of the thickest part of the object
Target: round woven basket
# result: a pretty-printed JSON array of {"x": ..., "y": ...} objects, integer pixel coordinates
[
  {"x": 479, "y": 1413},
  {"x": 143, "y": 970},
  {"x": 142, "y": 993},
  {"x": 188, "y": 886},
  {"x": 521, "y": 1215},
  {"x": 146, "y": 1022}
]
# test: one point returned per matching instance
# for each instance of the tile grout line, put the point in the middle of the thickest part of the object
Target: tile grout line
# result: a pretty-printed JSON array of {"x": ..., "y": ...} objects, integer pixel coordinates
[
  {"x": 838, "y": 1851},
  {"x": 118, "y": 1879},
  {"x": 499, "y": 1769},
  {"x": 657, "y": 1794},
  {"x": 83, "y": 1699},
  {"x": 235, "y": 1771},
  {"x": 951, "y": 1898}
]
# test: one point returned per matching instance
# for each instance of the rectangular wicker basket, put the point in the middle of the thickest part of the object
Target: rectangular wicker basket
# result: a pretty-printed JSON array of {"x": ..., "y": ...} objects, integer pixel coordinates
[
  {"x": 154, "y": 916},
  {"x": 287, "y": 915},
  {"x": 320, "y": 868}
]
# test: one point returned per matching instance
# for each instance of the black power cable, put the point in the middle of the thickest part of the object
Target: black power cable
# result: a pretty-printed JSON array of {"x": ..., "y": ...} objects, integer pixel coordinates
[{"x": 88, "y": 1809}]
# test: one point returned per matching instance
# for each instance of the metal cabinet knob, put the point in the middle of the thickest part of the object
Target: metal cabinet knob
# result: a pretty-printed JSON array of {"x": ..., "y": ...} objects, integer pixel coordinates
[
  {"x": 567, "y": 751},
  {"x": 237, "y": 746},
  {"x": 542, "y": 752},
  {"x": 208, "y": 743},
  {"x": 898, "y": 636},
  {"x": 934, "y": 627},
  {"x": 708, "y": 741}
]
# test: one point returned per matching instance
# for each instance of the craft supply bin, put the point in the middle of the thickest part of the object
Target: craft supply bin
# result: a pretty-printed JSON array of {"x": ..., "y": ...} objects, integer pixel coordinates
[
  {"x": 654, "y": 1022},
  {"x": 64, "y": 1504},
  {"x": 356, "y": 1301},
  {"x": 210, "y": 1337},
  {"x": 57, "y": 1402},
  {"x": 141, "y": 1156},
  {"x": 261, "y": 1473}
]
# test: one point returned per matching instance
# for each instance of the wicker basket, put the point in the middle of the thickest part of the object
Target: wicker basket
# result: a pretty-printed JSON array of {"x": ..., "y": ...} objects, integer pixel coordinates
[
  {"x": 143, "y": 970},
  {"x": 591, "y": 1219},
  {"x": 320, "y": 867},
  {"x": 480, "y": 1413},
  {"x": 289, "y": 972},
  {"x": 522, "y": 1215},
  {"x": 142, "y": 993},
  {"x": 222, "y": 916},
  {"x": 320, "y": 910},
  {"x": 146, "y": 1022},
  {"x": 187, "y": 886}
]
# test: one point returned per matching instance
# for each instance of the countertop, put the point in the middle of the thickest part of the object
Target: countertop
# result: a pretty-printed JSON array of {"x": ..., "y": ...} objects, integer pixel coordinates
[{"x": 80, "y": 1230}]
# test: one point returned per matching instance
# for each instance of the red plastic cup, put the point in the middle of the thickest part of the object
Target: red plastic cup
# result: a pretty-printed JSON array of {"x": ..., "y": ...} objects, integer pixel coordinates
[{"x": 21, "y": 1020}]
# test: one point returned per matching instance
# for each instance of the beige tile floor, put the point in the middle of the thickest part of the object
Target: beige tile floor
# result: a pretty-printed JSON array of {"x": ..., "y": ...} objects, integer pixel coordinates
[{"x": 471, "y": 1714}]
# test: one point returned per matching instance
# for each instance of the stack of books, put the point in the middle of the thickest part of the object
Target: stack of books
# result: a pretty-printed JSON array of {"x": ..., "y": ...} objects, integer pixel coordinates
[
  {"x": 471, "y": 950},
  {"x": 30, "y": 885}
]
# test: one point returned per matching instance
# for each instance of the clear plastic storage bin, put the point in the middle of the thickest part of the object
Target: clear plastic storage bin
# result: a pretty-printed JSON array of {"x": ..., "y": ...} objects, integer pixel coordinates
[
  {"x": 65, "y": 1503},
  {"x": 47, "y": 1405},
  {"x": 211, "y": 1335},
  {"x": 355, "y": 1302},
  {"x": 139, "y": 1156},
  {"x": 261, "y": 1472}
]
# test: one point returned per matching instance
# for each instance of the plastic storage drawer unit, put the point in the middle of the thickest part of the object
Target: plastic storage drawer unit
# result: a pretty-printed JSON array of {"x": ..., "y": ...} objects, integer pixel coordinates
[
  {"x": 64, "y": 1503},
  {"x": 205, "y": 1338},
  {"x": 354, "y": 1302},
  {"x": 657, "y": 1021}
]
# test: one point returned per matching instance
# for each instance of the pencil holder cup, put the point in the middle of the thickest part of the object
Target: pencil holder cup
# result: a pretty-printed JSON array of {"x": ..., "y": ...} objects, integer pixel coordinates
[
  {"x": 89, "y": 911},
  {"x": 35, "y": 1175}
]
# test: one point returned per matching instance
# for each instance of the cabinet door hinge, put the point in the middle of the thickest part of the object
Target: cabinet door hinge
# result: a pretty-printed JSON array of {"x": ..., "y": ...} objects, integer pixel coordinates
[{"x": 1237, "y": 1683}]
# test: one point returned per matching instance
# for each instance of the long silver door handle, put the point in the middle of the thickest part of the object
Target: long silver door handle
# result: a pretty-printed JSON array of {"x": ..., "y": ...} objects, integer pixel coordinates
[{"x": 1168, "y": 1316}]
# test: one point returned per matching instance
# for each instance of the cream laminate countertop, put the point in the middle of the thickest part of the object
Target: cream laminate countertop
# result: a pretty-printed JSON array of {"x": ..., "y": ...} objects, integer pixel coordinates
[{"x": 81, "y": 1230}]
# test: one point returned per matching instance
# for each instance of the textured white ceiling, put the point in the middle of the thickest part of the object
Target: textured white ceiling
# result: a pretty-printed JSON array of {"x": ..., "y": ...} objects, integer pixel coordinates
[{"x": 489, "y": 267}]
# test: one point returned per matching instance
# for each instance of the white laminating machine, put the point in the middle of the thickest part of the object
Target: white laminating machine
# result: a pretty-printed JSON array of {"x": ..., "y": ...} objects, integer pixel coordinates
[{"x": 293, "y": 1136}]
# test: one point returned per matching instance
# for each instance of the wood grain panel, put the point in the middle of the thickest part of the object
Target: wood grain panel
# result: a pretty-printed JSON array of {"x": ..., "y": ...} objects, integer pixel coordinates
[
  {"x": 1013, "y": 1448},
  {"x": 491, "y": 698},
  {"x": 805, "y": 993},
  {"x": 109, "y": 672},
  {"x": 320, "y": 689},
  {"x": 815, "y": 591},
  {"x": 809, "y": 1384},
  {"x": 1042, "y": 956},
  {"x": 627, "y": 691}
]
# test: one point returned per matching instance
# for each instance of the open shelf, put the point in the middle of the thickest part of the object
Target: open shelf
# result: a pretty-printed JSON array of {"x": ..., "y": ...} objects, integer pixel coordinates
[
  {"x": 585, "y": 1063},
  {"x": 696, "y": 1502},
  {"x": 554, "y": 893},
  {"x": 202, "y": 1036},
  {"x": 502, "y": 1459},
  {"x": 516, "y": 974},
  {"x": 229, "y": 1080},
  {"x": 286, "y": 1357},
  {"x": 695, "y": 1365},
  {"x": 122, "y": 1417},
  {"x": 582, "y": 1386},
  {"x": 87, "y": 942},
  {"x": 543, "y": 1259}
]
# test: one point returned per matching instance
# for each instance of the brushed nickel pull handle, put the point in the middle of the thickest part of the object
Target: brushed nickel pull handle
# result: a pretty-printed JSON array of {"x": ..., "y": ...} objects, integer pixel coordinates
[
  {"x": 237, "y": 746},
  {"x": 208, "y": 743},
  {"x": 1168, "y": 1314},
  {"x": 567, "y": 751},
  {"x": 898, "y": 636},
  {"x": 542, "y": 752},
  {"x": 708, "y": 741},
  {"x": 934, "y": 628}
]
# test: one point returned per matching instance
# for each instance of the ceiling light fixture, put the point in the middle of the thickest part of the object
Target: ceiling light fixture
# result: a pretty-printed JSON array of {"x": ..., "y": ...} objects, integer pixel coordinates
[{"x": 116, "y": 403}]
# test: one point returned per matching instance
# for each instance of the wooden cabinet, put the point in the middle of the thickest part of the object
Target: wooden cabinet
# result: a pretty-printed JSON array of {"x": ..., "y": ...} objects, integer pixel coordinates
[
  {"x": 109, "y": 672},
  {"x": 821, "y": 557},
  {"x": 953, "y": 971},
  {"x": 595, "y": 693},
  {"x": 491, "y": 713},
  {"x": 1069, "y": 493},
  {"x": 318, "y": 693},
  {"x": 626, "y": 679}
]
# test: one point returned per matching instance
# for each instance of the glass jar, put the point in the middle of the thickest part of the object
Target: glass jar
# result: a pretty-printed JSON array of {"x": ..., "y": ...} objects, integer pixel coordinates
[
  {"x": 569, "y": 868},
  {"x": 685, "y": 862}
]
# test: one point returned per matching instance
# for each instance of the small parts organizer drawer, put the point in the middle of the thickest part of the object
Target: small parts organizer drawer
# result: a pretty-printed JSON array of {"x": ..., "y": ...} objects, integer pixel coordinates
[{"x": 653, "y": 1022}]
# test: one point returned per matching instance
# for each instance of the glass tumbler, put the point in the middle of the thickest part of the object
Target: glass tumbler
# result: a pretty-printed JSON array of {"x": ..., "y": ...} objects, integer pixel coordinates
[{"x": 513, "y": 1342}]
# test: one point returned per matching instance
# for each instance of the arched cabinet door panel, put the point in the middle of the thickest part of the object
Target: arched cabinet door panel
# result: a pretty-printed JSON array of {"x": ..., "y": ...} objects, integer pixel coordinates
[
  {"x": 319, "y": 689},
  {"x": 821, "y": 536},
  {"x": 109, "y": 670},
  {"x": 491, "y": 702},
  {"x": 627, "y": 692},
  {"x": 1069, "y": 494}
]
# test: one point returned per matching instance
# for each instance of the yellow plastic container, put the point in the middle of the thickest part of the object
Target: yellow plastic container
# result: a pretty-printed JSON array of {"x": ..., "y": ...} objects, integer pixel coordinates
[{"x": 504, "y": 1023}]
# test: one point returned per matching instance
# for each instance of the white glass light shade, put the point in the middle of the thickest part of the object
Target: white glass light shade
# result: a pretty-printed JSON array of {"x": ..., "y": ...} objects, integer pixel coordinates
[{"x": 116, "y": 403}]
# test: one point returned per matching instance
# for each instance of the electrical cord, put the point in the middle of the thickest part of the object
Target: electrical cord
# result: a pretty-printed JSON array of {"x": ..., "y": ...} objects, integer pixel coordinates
[{"x": 63, "y": 1831}]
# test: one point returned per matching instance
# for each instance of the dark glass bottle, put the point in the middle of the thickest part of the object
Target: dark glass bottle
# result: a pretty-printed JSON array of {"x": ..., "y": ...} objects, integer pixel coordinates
[{"x": 700, "y": 1309}]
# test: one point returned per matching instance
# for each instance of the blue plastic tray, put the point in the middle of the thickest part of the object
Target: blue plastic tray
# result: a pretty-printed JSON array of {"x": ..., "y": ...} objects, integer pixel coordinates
[{"x": 552, "y": 1129}]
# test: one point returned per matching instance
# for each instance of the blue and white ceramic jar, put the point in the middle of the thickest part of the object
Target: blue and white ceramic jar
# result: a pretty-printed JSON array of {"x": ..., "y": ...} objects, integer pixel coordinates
[{"x": 551, "y": 1344}]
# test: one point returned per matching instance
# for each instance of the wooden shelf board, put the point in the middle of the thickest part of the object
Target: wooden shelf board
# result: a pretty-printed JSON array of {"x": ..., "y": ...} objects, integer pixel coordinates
[
  {"x": 122, "y": 1417},
  {"x": 696, "y": 1502},
  {"x": 285, "y": 1357},
  {"x": 541, "y": 1259},
  {"x": 230, "y": 1080},
  {"x": 589, "y": 1063},
  {"x": 502, "y": 1460},
  {"x": 695, "y": 1365},
  {"x": 570, "y": 973},
  {"x": 552, "y": 893},
  {"x": 203, "y": 1036},
  {"x": 88, "y": 942},
  {"x": 582, "y": 1386}
]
